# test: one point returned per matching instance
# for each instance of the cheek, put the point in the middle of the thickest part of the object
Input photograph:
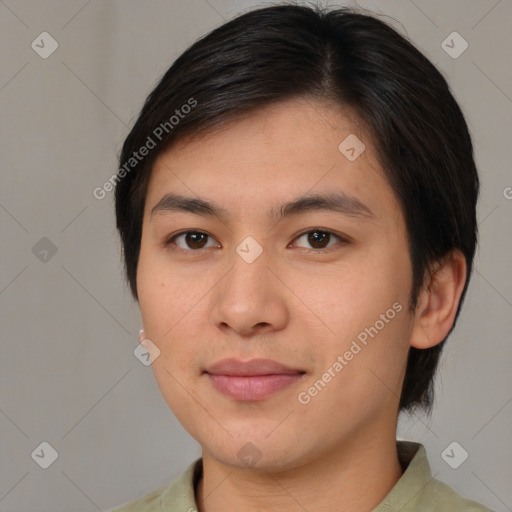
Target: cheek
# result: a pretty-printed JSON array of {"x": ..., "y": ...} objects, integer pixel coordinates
[
  {"x": 164, "y": 293},
  {"x": 363, "y": 308},
  {"x": 368, "y": 364},
  {"x": 169, "y": 301},
  {"x": 351, "y": 296}
]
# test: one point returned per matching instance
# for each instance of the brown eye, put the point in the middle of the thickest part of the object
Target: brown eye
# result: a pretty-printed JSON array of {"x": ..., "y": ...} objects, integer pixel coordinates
[
  {"x": 193, "y": 240},
  {"x": 319, "y": 239}
]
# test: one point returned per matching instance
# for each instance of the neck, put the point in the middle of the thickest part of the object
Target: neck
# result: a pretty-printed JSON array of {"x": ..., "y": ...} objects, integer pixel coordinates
[{"x": 356, "y": 476}]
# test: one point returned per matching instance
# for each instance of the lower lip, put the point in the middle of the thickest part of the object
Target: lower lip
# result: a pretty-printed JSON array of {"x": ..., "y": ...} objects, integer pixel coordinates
[{"x": 250, "y": 388}]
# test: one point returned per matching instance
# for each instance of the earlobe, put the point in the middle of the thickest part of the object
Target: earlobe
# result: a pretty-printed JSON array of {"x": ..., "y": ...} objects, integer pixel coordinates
[{"x": 438, "y": 302}]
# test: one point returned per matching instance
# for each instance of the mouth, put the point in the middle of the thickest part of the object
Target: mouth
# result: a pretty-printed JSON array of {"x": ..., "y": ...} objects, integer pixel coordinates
[{"x": 252, "y": 380}]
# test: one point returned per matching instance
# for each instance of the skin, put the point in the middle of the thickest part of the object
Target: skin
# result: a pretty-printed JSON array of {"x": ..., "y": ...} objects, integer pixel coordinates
[{"x": 202, "y": 302}]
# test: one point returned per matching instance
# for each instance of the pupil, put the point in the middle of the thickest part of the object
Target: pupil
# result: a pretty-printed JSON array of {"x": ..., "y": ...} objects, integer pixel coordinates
[
  {"x": 315, "y": 236},
  {"x": 191, "y": 236}
]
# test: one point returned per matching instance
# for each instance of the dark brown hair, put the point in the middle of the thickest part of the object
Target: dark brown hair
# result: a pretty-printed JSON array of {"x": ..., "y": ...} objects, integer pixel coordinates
[{"x": 284, "y": 51}]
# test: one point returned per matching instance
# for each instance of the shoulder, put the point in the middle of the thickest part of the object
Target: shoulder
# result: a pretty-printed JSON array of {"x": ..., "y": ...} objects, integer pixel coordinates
[
  {"x": 149, "y": 502},
  {"x": 418, "y": 490},
  {"x": 178, "y": 495},
  {"x": 448, "y": 500}
]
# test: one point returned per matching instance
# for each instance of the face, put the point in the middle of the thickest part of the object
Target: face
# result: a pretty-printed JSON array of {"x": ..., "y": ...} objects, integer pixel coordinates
[{"x": 322, "y": 291}]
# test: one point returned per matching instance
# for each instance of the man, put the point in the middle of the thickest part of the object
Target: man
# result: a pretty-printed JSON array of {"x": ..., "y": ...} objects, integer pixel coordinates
[{"x": 298, "y": 228}]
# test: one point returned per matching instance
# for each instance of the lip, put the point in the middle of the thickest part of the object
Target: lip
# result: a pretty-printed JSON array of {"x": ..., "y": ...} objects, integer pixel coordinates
[
  {"x": 235, "y": 367},
  {"x": 251, "y": 380}
]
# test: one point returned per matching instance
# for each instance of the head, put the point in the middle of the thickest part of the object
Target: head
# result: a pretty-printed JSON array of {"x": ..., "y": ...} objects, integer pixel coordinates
[{"x": 254, "y": 115}]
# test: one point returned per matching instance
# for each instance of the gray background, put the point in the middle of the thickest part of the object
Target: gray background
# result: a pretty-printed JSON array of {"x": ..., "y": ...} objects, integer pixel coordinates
[{"x": 68, "y": 375}]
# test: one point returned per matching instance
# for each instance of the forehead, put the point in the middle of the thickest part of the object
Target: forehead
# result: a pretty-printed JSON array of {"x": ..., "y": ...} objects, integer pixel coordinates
[{"x": 283, "y": 151}]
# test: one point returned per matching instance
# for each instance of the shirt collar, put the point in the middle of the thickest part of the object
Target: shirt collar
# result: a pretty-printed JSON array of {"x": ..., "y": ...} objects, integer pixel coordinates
[
  {"x": 408, "y": 491},
  {"x": 403, "y": 497}
]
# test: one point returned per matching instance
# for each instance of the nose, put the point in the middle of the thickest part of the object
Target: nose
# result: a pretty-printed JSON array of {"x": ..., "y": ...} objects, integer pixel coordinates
[{"x": 250, "y": 300}]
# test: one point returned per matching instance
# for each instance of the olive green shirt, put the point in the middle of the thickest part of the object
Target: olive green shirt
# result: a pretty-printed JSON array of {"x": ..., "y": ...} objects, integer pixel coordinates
[{"x": 415, "y": 491}]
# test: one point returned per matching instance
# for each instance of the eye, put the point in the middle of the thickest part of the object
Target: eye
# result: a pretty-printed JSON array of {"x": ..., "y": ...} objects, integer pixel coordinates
[
  {"x": 192, "y": 239},
  {"x": 319, "y": 239}
]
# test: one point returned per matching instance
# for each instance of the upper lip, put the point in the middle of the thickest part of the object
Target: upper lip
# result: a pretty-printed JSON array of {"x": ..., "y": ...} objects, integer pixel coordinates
[{"x": 236, "y": 367}]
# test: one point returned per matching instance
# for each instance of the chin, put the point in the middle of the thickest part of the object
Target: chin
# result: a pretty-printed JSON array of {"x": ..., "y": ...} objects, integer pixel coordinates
[{"x": 257, "y": 452}]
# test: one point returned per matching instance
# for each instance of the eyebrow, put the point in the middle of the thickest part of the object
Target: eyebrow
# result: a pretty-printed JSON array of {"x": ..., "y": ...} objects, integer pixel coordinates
[{"x": 339, "y": 202}]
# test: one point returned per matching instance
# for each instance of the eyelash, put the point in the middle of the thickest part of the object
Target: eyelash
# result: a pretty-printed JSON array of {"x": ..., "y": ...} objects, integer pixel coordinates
[{"x": 344, "y": 240}]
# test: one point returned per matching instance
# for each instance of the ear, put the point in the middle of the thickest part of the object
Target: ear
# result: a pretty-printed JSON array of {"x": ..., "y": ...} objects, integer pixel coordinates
[{"x": 438, "y": 302}]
